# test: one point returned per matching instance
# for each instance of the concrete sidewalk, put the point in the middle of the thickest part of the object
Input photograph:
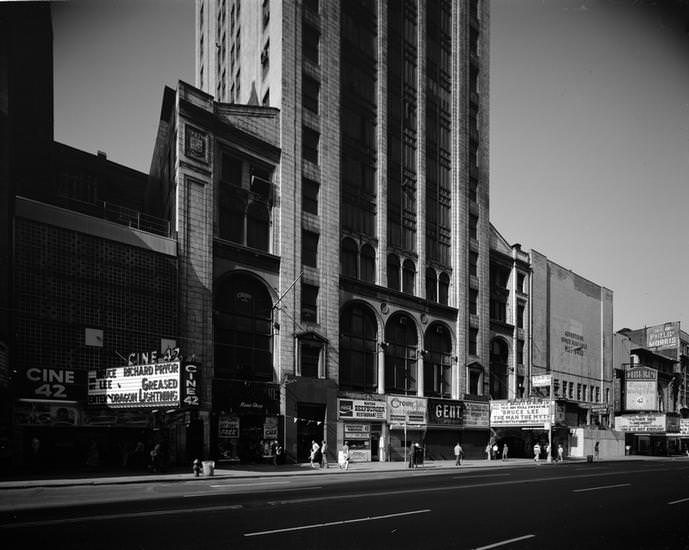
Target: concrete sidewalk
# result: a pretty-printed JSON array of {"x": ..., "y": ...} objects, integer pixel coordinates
[{"x": 267, "y": 471}]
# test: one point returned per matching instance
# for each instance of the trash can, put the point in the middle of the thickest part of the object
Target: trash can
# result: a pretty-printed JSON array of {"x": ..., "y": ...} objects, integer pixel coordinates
[
  {"x": 208, "y": 467},
  {"x": 589, "y": 458}
]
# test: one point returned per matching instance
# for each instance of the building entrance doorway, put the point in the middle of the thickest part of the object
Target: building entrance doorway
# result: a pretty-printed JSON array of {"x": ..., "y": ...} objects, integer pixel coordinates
[{"x": 310, "y": 427}]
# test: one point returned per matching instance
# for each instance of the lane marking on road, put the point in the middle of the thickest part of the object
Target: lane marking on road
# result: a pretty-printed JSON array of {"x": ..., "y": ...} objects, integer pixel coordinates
[
  {"x": 504, "y": 542},
  {"x": 127, "y": 515},
  {"x": 230, "y": 485},
  {"x": 459, "y": 487},
  {"x": 486, "y": 475},
  {"x": 331, "y": 523},
  {"x": 290, "y": 490},
  {"x": 601, "y": 487},
  {"x": 678, "y": 501}
]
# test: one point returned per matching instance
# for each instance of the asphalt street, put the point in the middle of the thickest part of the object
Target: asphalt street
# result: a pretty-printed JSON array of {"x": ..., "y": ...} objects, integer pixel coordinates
[{"x": 604, "y": 505}]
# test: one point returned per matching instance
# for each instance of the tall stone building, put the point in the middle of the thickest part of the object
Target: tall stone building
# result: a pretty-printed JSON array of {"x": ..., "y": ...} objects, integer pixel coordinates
[{"x": 376, "y": 215}]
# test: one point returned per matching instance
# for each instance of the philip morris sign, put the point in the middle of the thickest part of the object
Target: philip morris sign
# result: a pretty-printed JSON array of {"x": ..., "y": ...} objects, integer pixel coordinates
[{"x": 520, "y": 412}]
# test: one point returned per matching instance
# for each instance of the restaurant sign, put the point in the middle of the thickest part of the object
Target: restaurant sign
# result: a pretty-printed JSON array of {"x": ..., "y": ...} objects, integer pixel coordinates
[
  {"x": 520, "y": 412},
  {"x": 360, "y": 409}
]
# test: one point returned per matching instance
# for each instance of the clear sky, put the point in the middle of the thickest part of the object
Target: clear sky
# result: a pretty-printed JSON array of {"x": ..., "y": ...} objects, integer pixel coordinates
[{"x": 589, "y": 126}]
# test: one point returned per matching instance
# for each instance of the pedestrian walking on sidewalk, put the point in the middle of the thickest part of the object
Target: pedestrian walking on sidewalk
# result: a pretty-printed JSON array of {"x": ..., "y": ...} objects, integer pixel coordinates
[
  {"x": 495, "y": 451},
  {"x": 459, "y": 454},
  {"x": 560, "y": 453},
  {"x": 488, "y": 451},
  {"x": 324, "y": 456},
  {"x": 504, "y": 451},
  {"x": 596, "y": 451},
  {"x": 345, "y": 456},
  {"x": 537, "y": 453},
  {"x": 313, "y": 456}
]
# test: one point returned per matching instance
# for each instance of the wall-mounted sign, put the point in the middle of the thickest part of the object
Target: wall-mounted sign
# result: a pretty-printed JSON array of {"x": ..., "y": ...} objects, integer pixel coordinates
[
  {"x": 641, "y": 423},
  {"x": 360, "y": 409},
  {"x": 406, "y": 410},
  {"x": 476, "y": 414},
  {"x": 684, "y": 426},
  {"x": 541, "y": 380},
  {"x": 155, "y": 385},
  {"x": 228, "y": 427},
  {"x": 445, "y": 412},
  {"x": 661, "y": 337},
  {"x": 190, "y": 387},
  {"x": 54, "y": 384},
  {"x": 641, "y": 389},
  {"x": 270, "y": 428},
  {"x": 521, "y": 412}
]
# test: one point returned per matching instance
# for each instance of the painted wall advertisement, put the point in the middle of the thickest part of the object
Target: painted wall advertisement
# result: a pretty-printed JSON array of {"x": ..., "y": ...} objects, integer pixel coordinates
[
  {"x": 644, "y": 423},
  {"x": 406, "y": 410},
  {"x": 520, "y": 412},
  {"x": 360, "y": 409},
  {"x": 663, "y": 337},
  {"x": 541, "y": 380},
  {"x": 641, "y": 389}
]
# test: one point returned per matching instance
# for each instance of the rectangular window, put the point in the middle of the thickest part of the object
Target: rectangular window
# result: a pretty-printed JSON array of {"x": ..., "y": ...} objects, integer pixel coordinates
[
  {"x": 521, "y": 278},
  {"x": 310, "y": 356},
  {"x": 309, "y": 300},
  {"x": 578, "y": 392},
  {"x": 571, "y": 390},
  {"x": 520, "y": 352},
  {"x": 473, "y": 301},
  {"x": 520, "y": 315},
  {"x": 309, "y": 196},
  {"x": 265, "y": 58},
  {"x": 309, "y": 93},
  {"x": 473, "y": 341},
  {"x": 473, "y": 226},
  {"x": 309, "y": 41},
  {"x": 474, "y": 380},
  {"x": 309, "y": 144},
  {"x": 309, "y": 248},
  {"x": 556, "y": 387},
  {"x": 473, "y": 263},
  {"x": 231, "y": 170}
]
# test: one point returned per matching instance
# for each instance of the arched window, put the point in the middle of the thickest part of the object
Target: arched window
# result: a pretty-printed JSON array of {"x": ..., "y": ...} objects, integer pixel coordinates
[
  {"x": 368, "y": 264},
  {"x": 400, "y": 355},
  {"x": 348, "y": 258},
  {"x": 437, "y": 362},
  {"x": 393, "y": 272},
  {"x": 258, "y": 226},
  {"x": 431, "y": 285},
  {"x": 408, "y": 277},
  {"x": 243, "y": 329},
  {"x": 443, "y": 288},
  {"x": 498, "y": 369},
  {"x": 358, "y": 340}
]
